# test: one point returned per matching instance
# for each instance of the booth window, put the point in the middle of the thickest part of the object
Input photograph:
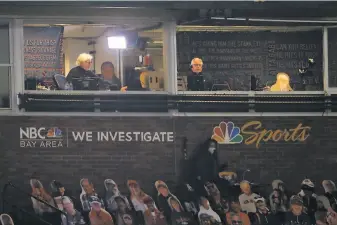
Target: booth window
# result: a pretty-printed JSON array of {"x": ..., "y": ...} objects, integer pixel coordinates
[
  {"x": 5, "y": 66},
  {"x": 220, "y": 58},
  {"x": 94, "y": 57}
]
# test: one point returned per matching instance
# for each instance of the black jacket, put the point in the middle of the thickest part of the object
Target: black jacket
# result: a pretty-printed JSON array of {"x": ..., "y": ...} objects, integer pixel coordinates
[
  {"x": 291, "y": 219},
  {"x": 182, "y": 218},
  {"x": 79, "y": 72},
  {"x": 164, "y": 206},
  {"x": 204, "y": 164},
  {"x": 260, "y": 218}
]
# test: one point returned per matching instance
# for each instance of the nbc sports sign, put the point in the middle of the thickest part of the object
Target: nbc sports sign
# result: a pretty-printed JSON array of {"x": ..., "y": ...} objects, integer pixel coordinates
[
  {"x": 253, "y": 132},
  {"x": 41, "y": 137},
  {"x": 227, "y": 133}
]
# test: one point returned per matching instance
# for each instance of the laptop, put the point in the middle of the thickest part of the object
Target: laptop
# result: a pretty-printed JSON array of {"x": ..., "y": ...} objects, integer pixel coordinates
[
  {"x": 87, "y": 83},
  {"x": 195, "y": 83}
]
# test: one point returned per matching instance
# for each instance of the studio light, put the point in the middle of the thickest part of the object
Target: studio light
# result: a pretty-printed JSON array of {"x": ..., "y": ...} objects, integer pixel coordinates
[{"x": 117, "y": 42}]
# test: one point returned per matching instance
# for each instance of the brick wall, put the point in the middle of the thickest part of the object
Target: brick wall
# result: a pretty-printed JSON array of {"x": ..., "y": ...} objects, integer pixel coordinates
[{"x": 147, "y": 162}]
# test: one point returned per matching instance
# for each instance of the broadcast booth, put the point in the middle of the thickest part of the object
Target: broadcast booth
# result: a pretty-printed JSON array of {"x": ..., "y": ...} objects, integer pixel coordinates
[{"x": 152, "y": 58}]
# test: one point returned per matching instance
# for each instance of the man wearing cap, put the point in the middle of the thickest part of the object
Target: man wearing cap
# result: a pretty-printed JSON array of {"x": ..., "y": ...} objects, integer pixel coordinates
[
  {"x": 309, "y": 198},
  {"x": 262, "y": 216},
  {"x": 97, "y": 215},
  {"x": 296, "y": 215}
]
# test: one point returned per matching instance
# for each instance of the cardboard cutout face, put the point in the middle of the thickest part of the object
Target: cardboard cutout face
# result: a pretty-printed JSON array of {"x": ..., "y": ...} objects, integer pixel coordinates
[
  {"x": 39, "y": 192},
  {"x": 87, "y": 186},
  {"x": 6, "y": 219},
  {"x": 127, "y": 219},
  {"x": 136, "y": 195}
]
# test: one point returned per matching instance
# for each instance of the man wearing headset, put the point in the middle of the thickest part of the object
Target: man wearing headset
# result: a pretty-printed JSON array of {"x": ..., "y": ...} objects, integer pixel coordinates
[{"x": 196, "y": 81}]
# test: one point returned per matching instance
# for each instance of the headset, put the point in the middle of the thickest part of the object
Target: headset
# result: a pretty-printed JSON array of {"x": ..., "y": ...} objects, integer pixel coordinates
[{"x": 191, "y": 64}]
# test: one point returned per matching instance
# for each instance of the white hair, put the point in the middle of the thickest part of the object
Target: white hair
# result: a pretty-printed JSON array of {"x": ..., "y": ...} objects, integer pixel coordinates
[
  {"x": 82, "y": 58},
  {"x": 194, "y": 59}
]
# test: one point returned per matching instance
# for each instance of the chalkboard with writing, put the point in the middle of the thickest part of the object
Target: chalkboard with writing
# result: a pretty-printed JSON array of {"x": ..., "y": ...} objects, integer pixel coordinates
[
  {"x": 332, "y": 56},
  {"x": 233, "y": 57},
  {"x": 43, "y": 51}
]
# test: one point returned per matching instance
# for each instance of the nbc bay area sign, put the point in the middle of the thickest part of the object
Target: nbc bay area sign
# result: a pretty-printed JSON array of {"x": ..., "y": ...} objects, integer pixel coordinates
[{"x": 254, "y": 133}]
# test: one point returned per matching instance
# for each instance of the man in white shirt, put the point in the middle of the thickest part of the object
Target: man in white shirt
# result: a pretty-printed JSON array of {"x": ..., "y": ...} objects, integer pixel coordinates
[{"x": 247, "y": 198}]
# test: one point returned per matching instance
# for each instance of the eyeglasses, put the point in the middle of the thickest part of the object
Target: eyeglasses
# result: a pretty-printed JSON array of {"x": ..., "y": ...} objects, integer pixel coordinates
[{"x": 197, "y": 65}]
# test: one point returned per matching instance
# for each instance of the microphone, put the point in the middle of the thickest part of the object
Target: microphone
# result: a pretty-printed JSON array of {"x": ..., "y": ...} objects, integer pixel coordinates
[{"x": 252, "y": 83}]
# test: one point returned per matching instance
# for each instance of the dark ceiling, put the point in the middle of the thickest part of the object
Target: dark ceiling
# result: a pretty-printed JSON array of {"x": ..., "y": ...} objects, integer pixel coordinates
[{"x": 186, "y": 11}]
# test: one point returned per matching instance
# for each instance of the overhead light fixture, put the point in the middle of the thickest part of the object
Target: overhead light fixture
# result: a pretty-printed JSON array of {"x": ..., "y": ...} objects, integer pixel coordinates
[{"x": 117, "y": 42}]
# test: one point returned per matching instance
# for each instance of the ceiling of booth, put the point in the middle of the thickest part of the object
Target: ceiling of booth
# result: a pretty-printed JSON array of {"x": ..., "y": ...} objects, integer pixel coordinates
[{"x": 181, "y": 10}]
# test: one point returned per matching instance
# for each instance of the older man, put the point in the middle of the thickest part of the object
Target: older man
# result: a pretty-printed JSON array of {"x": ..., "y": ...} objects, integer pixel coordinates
[{"x": 196, "y": 81}]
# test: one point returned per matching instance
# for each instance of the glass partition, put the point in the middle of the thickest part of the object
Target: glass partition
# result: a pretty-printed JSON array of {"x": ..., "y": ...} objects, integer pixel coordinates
[
  {"x": 94, "y": 57},
  {"x": 5, "y": 66},
  {"x": 332, "y": 50},
  {"x": 276, "y": 59}
]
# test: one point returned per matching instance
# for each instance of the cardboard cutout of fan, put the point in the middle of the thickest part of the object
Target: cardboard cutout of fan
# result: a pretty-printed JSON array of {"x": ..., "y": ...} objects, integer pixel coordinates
[{"x": 282, "y": 83}]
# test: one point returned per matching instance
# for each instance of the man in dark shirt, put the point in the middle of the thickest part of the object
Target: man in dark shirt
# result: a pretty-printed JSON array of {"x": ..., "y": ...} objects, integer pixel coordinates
[
  {"x": 196, "y": 80},
  {"x": 110, "y": 81}
]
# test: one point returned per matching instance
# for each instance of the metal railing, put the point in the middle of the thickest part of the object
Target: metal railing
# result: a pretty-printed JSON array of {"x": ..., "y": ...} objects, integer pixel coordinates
[
  {"x": 4, "y": 202},
  {"x": 184, "y": 102}
]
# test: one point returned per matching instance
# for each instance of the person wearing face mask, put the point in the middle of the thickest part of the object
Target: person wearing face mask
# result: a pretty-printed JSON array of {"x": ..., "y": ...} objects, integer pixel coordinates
[
  {"x": 247, "y": 198},
  {"x": 205, "y": 209},
  {"x": 308, "y": 196},
  {"x": 263, "y": 216},
  {"x": 235, "y": 216},
  {"x": 330, "y": 192},
  {"x": 152, "y": 215},
  {"x": 296, "y": 214},
  {"x": 204, "y": 165},
  {"x": 82, "y": 69},
  {"x": 72, "y": 217},
  {"x": 111, "y": 192},
  {"x": 178, "y": 215},
  {"x": 163, "y": 195}
]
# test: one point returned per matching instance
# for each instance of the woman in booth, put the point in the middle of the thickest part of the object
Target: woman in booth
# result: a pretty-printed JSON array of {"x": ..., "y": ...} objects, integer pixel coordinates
[
  {"x": 282, "y": 83},
  {"x": 83, "y": 64}
]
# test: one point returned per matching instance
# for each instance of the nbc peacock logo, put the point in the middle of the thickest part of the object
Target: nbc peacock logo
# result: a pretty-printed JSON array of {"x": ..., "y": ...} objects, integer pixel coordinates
[
  {"x": 227, "y": 133},
  {"x": 54, "y": 132}
]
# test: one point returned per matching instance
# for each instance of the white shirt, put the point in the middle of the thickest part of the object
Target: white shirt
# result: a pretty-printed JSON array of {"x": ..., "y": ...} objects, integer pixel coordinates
[{"x": 247, "y": 202}]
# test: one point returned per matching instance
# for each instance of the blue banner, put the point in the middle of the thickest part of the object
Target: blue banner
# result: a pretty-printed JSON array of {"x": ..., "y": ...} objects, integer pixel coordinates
[{"x": 43, "y": 51}]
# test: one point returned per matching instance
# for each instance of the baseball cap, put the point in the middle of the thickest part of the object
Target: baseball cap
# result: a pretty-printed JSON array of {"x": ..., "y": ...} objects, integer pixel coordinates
[{"x": 296, "y": 200}]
